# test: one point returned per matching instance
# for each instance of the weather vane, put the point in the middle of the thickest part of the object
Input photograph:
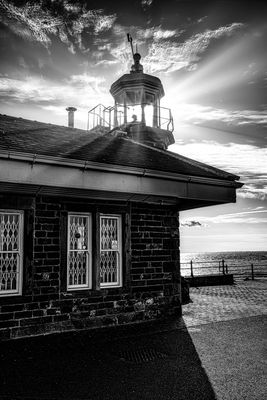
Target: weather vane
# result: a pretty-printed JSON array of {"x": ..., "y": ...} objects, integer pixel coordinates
[
  {"x": 130, "y": 40},
  {"x": 136, "y": 67}
]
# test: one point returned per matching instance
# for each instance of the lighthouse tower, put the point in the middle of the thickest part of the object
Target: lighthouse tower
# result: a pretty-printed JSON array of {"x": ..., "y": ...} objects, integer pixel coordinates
[
  {"x": 136, "y": 111},
  {"x": 137, "y": 106}
]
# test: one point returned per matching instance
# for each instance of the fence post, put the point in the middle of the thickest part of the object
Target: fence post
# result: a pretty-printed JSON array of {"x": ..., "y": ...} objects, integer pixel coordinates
[
  {"x": 252, "y": 272},
  {"x": 191, "y": 267},
  {"x": 223, "y": 267},
  {"x": 226, "y": 268}
]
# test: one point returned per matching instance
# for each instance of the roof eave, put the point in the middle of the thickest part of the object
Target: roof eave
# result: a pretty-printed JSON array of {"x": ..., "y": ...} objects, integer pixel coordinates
[{"x": 104, "y": 167}]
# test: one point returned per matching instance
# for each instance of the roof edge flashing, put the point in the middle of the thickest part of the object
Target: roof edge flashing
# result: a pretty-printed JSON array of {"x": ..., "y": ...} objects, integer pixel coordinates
[{"x": 87, "y": 165}]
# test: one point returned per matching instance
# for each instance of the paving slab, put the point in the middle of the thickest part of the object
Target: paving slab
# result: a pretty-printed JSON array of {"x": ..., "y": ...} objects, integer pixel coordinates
[
  {"x": 227, "y": 325},
  {"x": 223, "y": 303}
]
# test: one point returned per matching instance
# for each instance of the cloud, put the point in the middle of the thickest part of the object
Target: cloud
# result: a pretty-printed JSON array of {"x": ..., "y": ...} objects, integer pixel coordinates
[
  {"x": 169, "y": 56},
  {"x": 156, "y": 33},
  {"x": 247, "y": 217},
  {"x": 121, "y": 53},
  {"x": 160, "y": 34},
  {"x": 103, "y": 22},
  {"x": 146, "y": 4},
  {"x": 105, "y": 63},
  {"x": 22, "y": 62},
  {"x": 250, "y": 191},
  {"x": 79, "y": 91},
  {"x": 200, "y": 20},
  {"x": 29, "y": 21},
  {"x": 85, "y": 79},
  {"x": 191, "y": 224},
  {"x": 27, "y": 90},
  {"x": 197, "y": 113},
  {"x": 246, "y": 161},
  {"x": 41, "y": 20},
  {"x": 150, "y": 38},
  {"x": 164, "y": 52}
]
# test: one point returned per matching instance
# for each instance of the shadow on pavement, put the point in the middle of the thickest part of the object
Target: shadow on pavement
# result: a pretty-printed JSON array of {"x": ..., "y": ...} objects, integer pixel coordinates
[{"x": 111, "y": 365}]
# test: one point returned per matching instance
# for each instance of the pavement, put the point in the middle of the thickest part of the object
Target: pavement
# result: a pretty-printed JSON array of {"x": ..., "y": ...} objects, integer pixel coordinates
[
  {"x": 227, "y": 325},
  {"x": 216, "y": 351},
  {"x": 223, "y": 303}
]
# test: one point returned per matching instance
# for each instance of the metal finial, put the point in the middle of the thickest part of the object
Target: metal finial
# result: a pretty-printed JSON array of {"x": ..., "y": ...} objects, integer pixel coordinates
[
  {"x": 130, "y": 39},
  {"x": 136, "y": 67}
]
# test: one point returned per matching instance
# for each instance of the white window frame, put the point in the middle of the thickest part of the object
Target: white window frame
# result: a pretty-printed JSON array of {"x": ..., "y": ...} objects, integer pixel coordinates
[
  {"x": 19, "y": 252},
  {"x": 118, "y": 283},
  {"x": 88, "y": 284}
]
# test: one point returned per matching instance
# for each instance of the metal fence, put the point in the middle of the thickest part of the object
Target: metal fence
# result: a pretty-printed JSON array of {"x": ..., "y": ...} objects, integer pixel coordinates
[
  {"x": 104, "y": 118},
  {"x": 240, "y": 271}
]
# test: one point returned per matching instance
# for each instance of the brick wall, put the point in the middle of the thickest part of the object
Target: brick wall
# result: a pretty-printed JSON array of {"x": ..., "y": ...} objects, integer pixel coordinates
[
  {"x": 151, "y": 274},
  {"x": 155, "y": 250}
]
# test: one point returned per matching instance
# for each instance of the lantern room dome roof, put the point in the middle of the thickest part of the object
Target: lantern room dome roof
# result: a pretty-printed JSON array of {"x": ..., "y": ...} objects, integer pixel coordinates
[{"x": 133, "y": 81}]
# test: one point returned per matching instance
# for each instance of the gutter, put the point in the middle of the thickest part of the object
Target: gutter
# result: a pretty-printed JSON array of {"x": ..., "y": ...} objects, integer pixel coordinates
[{"x": 94, "y": 166}]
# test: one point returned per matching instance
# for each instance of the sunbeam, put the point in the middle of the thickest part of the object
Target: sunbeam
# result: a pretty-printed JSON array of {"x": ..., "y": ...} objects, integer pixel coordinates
[{"x": 219, "y": 74}]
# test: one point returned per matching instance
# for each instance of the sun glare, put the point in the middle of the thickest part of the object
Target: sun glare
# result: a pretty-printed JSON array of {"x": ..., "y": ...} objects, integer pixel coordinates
[{"x": 189, "y": 96}]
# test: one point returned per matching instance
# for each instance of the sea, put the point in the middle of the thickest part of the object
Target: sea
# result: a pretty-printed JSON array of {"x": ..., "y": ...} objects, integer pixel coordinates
[{"x": 242, "y": 263}]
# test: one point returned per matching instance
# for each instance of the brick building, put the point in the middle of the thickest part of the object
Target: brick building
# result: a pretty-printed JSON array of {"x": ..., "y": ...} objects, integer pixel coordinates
[{"x": 89, "y": 220}]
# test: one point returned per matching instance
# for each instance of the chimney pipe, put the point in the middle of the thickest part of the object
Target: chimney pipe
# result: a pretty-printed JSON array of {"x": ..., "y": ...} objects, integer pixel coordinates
[{"x": 71, "y": 111}]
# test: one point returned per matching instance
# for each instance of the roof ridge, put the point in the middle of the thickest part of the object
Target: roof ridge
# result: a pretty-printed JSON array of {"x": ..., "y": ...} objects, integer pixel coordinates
[
  {"x": 180, "y": 157},
  {"x": 42, "y": 123}
]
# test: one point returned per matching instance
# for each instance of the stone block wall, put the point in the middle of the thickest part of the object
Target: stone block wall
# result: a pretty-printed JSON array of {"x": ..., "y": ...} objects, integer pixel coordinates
[
  {"x": 151, "y": 275},
  {"x": 155, "y": 250}
]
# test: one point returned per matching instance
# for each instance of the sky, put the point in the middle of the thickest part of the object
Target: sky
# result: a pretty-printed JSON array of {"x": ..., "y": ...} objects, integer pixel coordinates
[{"x": 212, "y": 61}]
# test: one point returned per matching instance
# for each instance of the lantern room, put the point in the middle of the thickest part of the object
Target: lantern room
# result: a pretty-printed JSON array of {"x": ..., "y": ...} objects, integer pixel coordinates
[
  {"x": 137, "y": 110},
  {"x": 137, "y": 96}
]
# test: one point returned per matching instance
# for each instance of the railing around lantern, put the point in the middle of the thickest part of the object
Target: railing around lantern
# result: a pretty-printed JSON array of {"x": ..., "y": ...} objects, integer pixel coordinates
[
  {"x": 222, "y": 267},
  {"x": 100, "y": 117},
  {"x": 107, "y": 118},
  {"x": 165, "y": 119}
]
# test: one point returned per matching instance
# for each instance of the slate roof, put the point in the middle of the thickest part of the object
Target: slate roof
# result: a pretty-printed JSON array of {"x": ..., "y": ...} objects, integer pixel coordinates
[{"x": 26, "y": 136}]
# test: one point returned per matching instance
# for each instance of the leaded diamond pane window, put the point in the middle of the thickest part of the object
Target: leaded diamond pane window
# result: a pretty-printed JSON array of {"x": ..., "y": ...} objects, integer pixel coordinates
[
  {"x": 79, "y": 251},
  {"x": 110, "y": 251},
  {"x": 11, "y": 256}
]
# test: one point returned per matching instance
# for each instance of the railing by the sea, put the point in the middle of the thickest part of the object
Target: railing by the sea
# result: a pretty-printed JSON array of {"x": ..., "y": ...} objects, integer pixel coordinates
[{"x": 250, "y": 270}]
